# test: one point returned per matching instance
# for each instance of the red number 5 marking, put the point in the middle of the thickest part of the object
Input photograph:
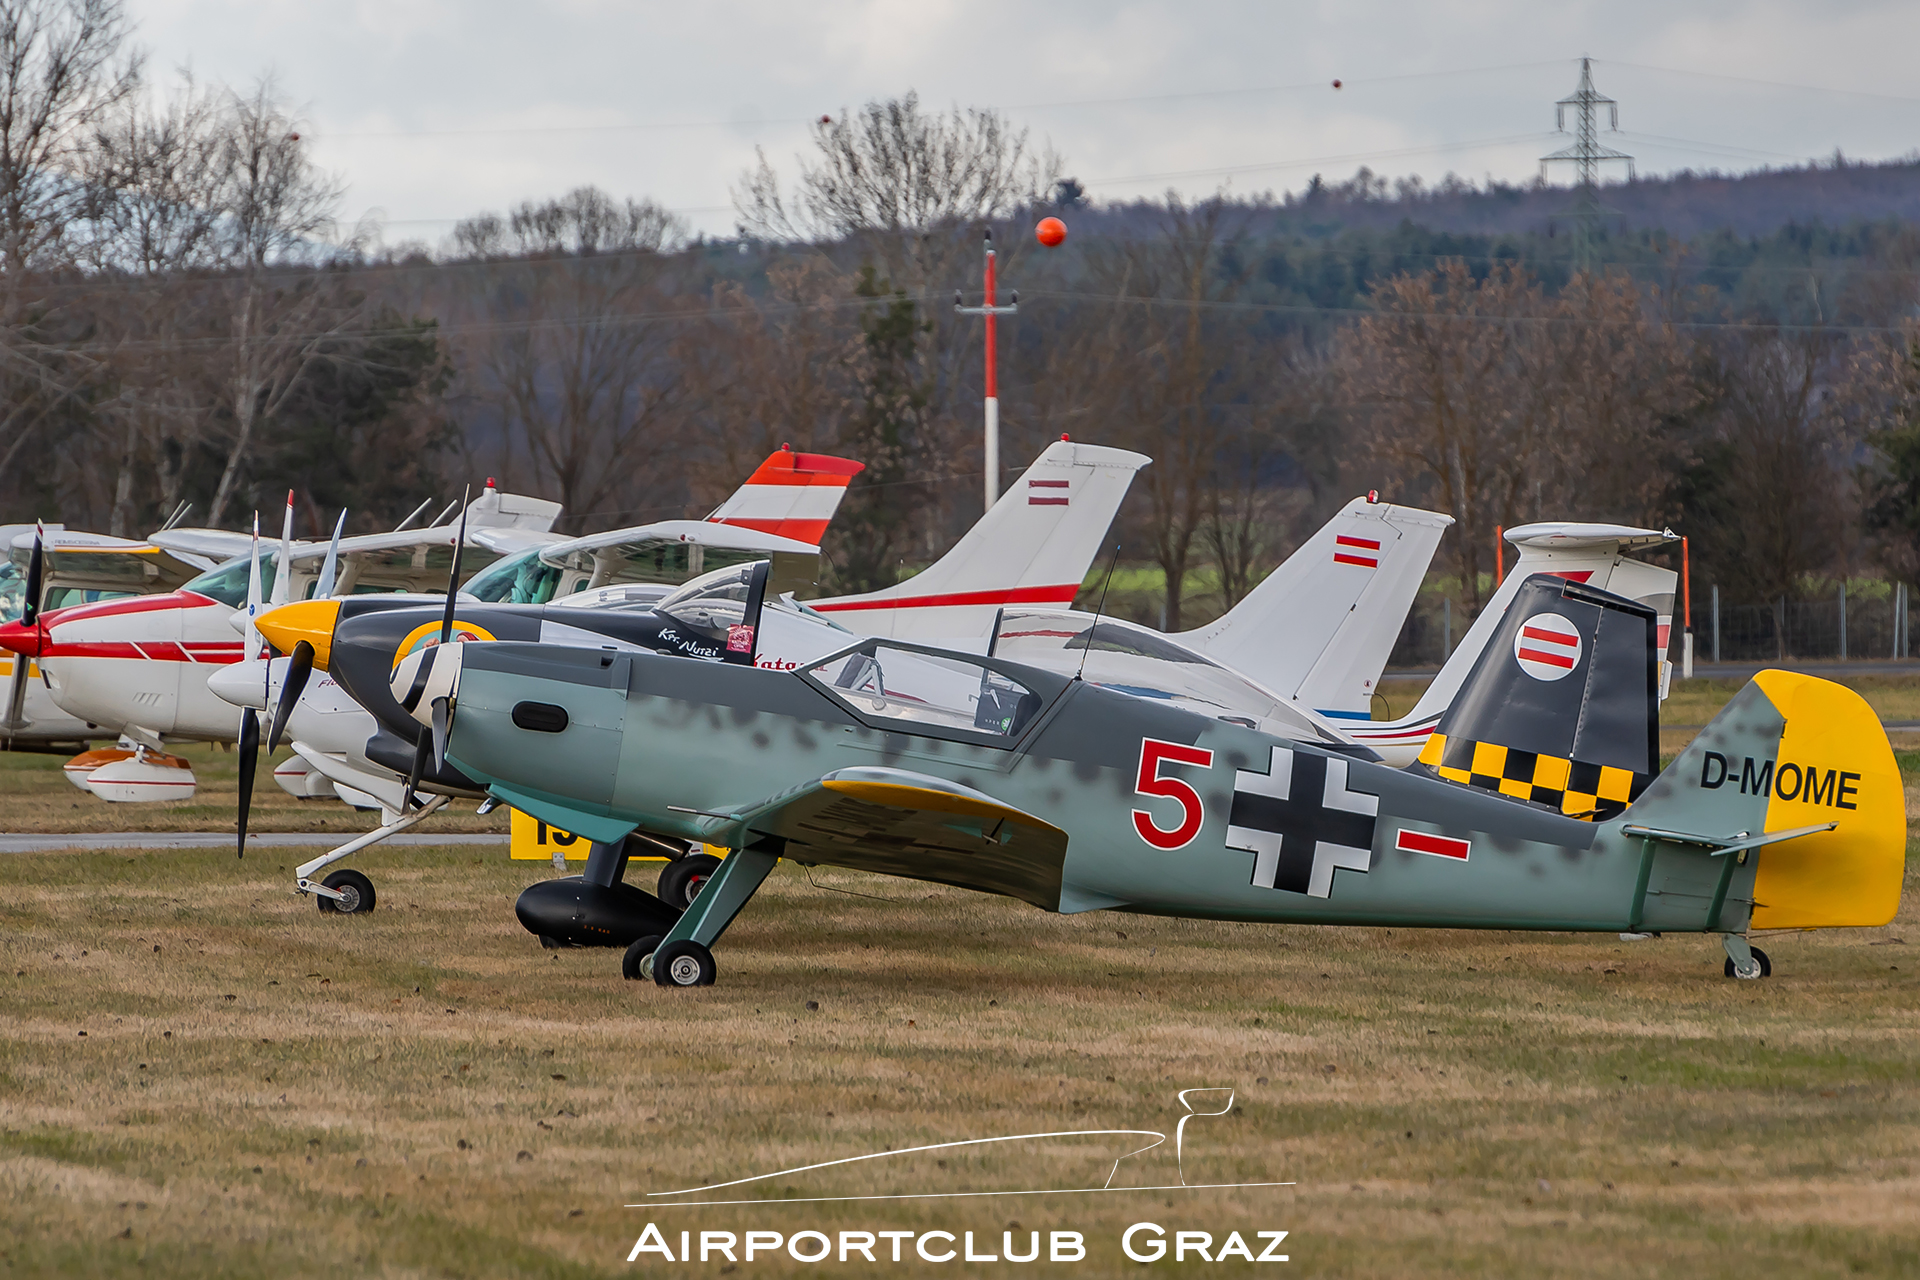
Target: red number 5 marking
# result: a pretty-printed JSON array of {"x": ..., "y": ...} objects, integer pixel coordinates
[{"x": 1154, "y": 753}]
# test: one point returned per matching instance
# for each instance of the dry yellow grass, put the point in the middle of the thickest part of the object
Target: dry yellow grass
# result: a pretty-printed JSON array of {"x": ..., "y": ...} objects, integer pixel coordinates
[
  {"x": 35, "y": 797},
  {"x": 424, "y": 1092}
]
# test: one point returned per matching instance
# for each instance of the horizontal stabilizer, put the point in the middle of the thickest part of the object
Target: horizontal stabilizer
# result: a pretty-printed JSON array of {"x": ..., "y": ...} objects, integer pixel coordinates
[{"x": 1798, "y": 771}]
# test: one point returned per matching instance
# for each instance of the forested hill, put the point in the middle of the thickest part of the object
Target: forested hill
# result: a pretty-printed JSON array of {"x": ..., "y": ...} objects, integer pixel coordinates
[
  {"x": 1684, "y": 205},
  {"x": 1788, "y": 245}
]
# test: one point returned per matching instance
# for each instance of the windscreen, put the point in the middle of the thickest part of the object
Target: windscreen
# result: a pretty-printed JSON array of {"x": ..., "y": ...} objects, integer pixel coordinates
[{"x": 517, "y": 579}]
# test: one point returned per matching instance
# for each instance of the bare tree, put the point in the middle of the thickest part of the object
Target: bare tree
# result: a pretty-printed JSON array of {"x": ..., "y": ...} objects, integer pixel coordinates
[
  {"x": 62, "y": 67},
  {"x": 276, "y": 208},
  {"x": 1612, "y": 383},
  {"x": 1781, "y": 507},
  {"x": 903, "y": 184},
  {"x": 767, "y": 371},
  {"x": 1438, "y": 385},
  {"x": 1167, "y": 372},
  {"x": 584, "y": 221},
  {"x": 574, "y": 346},
  {"x": 156, "y": 179}
]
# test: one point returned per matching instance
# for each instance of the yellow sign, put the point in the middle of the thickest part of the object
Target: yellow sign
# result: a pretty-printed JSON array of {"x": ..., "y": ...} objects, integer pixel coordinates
[{"x": 533, "y": 839}]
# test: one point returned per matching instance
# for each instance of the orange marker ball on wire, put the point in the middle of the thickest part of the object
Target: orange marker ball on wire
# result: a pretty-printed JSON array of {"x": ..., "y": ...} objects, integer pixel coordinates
[{"x": 1050, "y": 232}]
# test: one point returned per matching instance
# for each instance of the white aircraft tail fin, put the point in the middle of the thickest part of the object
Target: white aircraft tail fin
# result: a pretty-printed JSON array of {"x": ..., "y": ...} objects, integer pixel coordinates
[
  {"x": 1592, "y": 554},
  {"x": 1034, "y": 547},
  {"x": 793, "y": 495},
  {"x": 1318, "y": 630}
]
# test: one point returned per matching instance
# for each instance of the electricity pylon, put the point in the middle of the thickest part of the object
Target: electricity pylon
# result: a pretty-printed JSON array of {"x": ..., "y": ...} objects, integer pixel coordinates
[{"x": 1586, "y": 155}]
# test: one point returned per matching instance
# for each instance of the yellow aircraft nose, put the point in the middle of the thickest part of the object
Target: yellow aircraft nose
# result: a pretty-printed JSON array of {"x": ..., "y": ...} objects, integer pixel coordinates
[{"x": 309, "y": 620}]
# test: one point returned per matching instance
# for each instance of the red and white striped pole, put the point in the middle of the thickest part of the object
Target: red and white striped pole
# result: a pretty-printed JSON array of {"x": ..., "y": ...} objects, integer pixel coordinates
[{"x": 989, "y": 311}]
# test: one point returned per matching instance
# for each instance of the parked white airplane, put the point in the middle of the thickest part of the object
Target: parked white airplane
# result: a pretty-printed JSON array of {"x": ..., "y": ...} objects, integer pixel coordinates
[
  {"x": 138, "y": 667},
  {"x": 70, "y": 568}
]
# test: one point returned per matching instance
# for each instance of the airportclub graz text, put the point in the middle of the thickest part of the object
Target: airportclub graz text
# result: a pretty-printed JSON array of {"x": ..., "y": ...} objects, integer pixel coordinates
[{"x": 1806, "y": 782}]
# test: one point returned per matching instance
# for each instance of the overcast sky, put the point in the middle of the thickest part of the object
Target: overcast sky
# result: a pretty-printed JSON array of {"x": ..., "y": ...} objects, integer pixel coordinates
[{"x": 435, "y": 109}]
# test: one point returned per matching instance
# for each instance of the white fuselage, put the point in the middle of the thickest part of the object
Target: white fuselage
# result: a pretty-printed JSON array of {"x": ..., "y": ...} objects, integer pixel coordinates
[{"x": 142, "y": 663}]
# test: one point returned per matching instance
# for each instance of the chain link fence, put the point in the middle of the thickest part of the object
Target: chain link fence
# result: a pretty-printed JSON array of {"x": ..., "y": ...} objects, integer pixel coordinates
[{"x": 1860, "y": 621}]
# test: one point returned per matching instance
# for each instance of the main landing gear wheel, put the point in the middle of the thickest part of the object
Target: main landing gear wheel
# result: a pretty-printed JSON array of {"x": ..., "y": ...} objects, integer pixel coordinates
[
  {"x": 683, "y": 964},
  {"x": 356, "y": 894},
  {"x": 680, "y": 880},
  {"x": 1765, "y": 970},
  {"x": 637, "y": 952}
]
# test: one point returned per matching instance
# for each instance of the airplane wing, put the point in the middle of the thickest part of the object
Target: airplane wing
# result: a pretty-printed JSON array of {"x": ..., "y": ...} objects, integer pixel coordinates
[
  {"x": 895, "y": 822},
  {"x": 675, "y": 550},
  {"x": 214, "y": 544}
]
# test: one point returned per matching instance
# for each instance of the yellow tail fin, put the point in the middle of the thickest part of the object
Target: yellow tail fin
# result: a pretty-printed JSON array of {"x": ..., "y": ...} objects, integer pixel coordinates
[{"x": 1834, "y": 764}]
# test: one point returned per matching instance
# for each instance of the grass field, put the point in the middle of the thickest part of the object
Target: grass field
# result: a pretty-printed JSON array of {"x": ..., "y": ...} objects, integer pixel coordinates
[
  {"x": 201, "y": 1075},
  {"x": 35, "y": 796}
]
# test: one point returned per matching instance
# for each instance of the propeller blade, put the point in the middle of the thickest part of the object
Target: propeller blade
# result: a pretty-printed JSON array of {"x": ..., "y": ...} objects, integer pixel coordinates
[
  {"x": 299, "y": 668},
  {"x": 442, "y": 718},
  {"x": 453, "y": 574},
  {"x": 249, "y": 762},
  {"x": 254, "y": 639},
  {"x": 30, "y": 615},
  {"x": 36, "y": 573},
  {"x": 283, "y": 563},
  {"x": 331, "y": 569},
  {"x": 17, "y": 698},
  {"x": 420, "y": 749}
]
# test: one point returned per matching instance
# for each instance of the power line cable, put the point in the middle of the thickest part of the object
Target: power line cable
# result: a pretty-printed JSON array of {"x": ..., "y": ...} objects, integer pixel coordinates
[{"x": 1769, "y": 84}]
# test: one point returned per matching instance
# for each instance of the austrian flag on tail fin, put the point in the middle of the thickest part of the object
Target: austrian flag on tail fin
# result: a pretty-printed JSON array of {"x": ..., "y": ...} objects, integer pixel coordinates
[
  {"x": 792, "y": 495},
  {"x": 1364, "y": 552},
  {"x": 1048, "y": 493}
]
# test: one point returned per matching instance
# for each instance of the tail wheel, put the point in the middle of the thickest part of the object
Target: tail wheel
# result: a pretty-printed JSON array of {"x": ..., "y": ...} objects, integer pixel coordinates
[
  {"x": 683, "y": 964},
  {"x": 637, "y": 952},
  {"x": 1766, "y": 966},
  {"x": 681, "y": 879},
  {"x": 356, "y": 894}
]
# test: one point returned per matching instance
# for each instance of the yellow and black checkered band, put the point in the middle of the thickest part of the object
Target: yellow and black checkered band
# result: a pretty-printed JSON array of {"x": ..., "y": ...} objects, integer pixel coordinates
[{"x": 1577, "y": 789}]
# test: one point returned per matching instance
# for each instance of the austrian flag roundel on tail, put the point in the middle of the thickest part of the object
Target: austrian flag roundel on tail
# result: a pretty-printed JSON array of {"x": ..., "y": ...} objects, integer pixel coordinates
[{"x": 1547, "y": 647}]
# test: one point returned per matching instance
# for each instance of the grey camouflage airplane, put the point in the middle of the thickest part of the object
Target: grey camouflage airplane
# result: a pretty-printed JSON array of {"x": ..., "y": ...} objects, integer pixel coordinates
[{"x": 1534, "y": 806}]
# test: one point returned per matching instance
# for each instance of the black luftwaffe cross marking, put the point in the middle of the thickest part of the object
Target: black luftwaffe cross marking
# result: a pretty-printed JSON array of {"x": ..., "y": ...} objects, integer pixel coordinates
[{"x": 1300, "y": 822}]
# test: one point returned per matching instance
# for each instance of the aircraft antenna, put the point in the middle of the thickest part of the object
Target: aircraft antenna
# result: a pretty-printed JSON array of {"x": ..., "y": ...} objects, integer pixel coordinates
[
  {"x": 1585, "y": 156},
  {"x": 1112, "y": 563},
  {"x": 415, "y": 516}
]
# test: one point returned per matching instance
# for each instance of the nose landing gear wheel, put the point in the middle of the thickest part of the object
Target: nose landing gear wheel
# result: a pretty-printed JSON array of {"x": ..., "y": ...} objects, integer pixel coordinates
[
  {"x": 356, "y": 894},
  {"x": 683, "y": 964},
  {"x": 637, "y": 952},
  {"x": 680, "y": 880},
  {"x": 1765, "y": 970}
]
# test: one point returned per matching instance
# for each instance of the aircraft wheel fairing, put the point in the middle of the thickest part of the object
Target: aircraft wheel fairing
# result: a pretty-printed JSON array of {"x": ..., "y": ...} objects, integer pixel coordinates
[
  {"x": 683, "y": 964},
  {"x": 1765, "y": 970},
  {"x": 632, "y": 964},
  {"x": 680, "y": 880},
  {"x": 357, "y": 891}
]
